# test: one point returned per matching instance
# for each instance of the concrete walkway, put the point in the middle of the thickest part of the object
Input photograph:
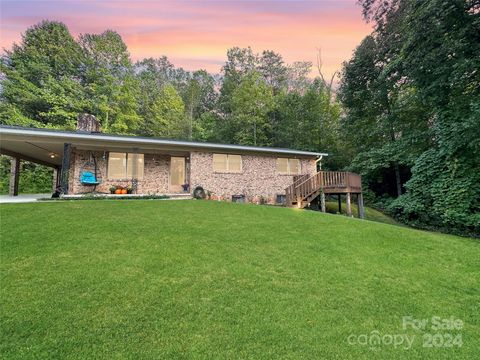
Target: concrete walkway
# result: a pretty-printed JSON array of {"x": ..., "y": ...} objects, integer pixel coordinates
[{"x": 22, "y": 198}]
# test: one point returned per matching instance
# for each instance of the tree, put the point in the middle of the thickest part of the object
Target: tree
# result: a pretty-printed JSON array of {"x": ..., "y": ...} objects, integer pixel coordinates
[
  {"x": 41, "y": 78},
  {"x": 427, "y": 53},
  {"x": 273, "y": 70},
  {"x": 167, "y": 118},
  {"x": 109, "y": 82},
  {"x": 388, "y": 131},
  {"x": 310, "y": 121},
  {"x": 199, "y": 97},
  {"x": 298, "y": 76},
  {"x": 251, "y": 102}
]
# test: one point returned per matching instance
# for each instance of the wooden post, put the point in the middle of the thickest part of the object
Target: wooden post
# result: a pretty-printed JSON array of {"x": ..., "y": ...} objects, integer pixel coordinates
[
  {"x": 361, "y": 209},
  {"x": 55, "y": 179},
  {"x": 349, "y": 205},
  {"x": 322, "y": 202},
  {"x": 14, "y": 176},
  {"x": 67, "y": 152},
  {"x": 339, "y": 203}
]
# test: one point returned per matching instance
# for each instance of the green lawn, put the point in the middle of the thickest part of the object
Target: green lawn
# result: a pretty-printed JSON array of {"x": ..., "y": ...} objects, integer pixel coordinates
[
  {"x": 370, "y": 214},
  {"x": 197, "y": 279}
]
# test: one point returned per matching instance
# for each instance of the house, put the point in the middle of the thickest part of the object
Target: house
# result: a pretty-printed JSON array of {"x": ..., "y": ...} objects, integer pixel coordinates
[{"x": 160, "y": 166}]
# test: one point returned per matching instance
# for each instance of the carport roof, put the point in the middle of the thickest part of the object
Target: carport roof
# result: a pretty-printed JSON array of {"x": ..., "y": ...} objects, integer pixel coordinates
[{"x": 42, "y": 144}]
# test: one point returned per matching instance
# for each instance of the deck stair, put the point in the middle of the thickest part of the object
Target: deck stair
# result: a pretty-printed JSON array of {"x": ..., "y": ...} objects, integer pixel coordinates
[{"x": 306, "y": 188}]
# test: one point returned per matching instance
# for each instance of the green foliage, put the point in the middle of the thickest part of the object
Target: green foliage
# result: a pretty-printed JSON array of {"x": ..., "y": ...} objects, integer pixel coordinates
[
  {"x": 34, "y": 178},
  {"x": 40, "y": 84},
  {"x": 251, "y": 103},
  {"x": 310, "y": 121},
  {"x": 168, "y": 114},
  {"x": 110, "y": 83},
  {"x": 421, "y": 65}
]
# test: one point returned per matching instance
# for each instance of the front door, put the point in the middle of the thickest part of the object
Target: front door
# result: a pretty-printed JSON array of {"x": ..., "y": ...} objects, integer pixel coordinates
[{"x": 177, "y": 174}]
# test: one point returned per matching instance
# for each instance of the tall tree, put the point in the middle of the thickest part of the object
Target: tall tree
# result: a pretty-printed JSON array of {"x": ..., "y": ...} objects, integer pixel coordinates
[
  {"x": 199, "y": 97},
  {"x": 252, "y": 101},
  {"x": 110, "y": 83},
  {"x": 428, "y": 53},
  {"x": 166, "y": 117},
  {"x": 41, "y": 78}
]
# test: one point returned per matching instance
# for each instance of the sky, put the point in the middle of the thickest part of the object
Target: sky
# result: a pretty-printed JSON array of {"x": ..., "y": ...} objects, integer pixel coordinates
[{"x": 196, "y": 34}]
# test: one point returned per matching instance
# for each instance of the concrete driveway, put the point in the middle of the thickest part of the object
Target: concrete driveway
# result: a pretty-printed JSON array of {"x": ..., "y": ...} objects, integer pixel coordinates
[{"x": 22, "y": 198}]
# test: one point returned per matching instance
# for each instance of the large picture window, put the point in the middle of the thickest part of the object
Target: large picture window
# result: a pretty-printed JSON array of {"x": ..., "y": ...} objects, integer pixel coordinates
[
  {"x": 227, "y": 163},
  {"x": 125, "y": 166},
  {"x": 288, "y": 166}
]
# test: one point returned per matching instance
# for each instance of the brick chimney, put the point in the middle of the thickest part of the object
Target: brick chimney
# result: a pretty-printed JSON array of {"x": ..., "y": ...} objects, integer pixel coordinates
[{"x": 88, "y": 123}]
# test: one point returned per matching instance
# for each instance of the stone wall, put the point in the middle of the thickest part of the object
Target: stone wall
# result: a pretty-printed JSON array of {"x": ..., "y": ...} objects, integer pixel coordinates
[
  {"x": 258, "y": 181},
  {"x": 155, "y": 178}
]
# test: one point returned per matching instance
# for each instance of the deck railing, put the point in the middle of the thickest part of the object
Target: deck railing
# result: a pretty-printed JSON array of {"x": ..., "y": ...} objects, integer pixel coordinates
[{"x": 305, "y": 186}]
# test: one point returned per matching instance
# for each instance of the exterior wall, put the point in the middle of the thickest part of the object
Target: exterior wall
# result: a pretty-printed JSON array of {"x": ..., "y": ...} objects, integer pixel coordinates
[
  {"x": 258, "y": 180},
  {"x": 155, "y": 178}
]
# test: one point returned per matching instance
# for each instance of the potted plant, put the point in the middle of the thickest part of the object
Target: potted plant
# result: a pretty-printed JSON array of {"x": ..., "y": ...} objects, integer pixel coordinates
[
  {"x": 186, "y": 187},
  {"x": 129, "y": 189},
  {"x": 112, "y": 189}
]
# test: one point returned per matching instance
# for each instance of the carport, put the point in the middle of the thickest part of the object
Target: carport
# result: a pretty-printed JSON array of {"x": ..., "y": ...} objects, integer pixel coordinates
[{"x": 23, "y": 146}]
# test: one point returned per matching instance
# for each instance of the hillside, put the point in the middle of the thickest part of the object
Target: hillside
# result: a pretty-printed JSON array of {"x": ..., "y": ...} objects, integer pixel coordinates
[{"x": 204, "y": 279}]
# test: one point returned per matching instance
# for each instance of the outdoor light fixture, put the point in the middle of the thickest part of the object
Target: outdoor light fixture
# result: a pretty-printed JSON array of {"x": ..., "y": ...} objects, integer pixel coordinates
[{"x": 52, "y": 155}]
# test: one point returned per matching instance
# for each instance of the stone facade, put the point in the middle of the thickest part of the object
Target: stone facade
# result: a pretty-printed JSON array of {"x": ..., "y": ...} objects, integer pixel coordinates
[
  {"x": 155, "y": 178},
  {"x": 258, "y": 181}
]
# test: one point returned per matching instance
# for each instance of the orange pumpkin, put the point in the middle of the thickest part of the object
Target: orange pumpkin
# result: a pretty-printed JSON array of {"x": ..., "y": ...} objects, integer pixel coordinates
[
  {"x": 124, "y": 191},
  {"x": 118, "y": 191}
]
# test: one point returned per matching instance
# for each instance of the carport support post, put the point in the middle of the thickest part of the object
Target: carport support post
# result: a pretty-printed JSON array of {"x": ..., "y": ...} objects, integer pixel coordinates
[
  {"x": 55, "y": 179},
  {"x": 14, "y": 176},
  {"x": 349, "y": 205},
  {"x": 361, "y": 209},
  {"x": 67, "y": 152}
]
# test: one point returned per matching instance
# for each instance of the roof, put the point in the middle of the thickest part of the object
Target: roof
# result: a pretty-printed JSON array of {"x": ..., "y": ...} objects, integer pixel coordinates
[{"x": 17, "y": 133}]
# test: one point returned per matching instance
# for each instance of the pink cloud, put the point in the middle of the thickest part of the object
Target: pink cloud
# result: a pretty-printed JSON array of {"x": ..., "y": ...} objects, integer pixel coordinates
[{"x": 197, "y": 34}]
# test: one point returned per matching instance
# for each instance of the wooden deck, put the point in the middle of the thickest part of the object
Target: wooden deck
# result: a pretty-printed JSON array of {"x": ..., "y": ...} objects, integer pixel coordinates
[{"x": 306, "y": 188}]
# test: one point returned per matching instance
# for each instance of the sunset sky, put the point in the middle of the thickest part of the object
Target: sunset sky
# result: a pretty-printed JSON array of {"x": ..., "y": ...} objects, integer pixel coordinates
[{"x": 196, "y": 34}]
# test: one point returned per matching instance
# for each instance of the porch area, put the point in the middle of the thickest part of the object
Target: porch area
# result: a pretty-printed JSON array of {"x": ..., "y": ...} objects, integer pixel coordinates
[{"x": 80, "y": 168}]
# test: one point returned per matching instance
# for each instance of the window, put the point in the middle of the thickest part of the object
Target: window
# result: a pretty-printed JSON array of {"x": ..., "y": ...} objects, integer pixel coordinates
[
  {"x": 125, "y": 166},
  {"x": 288, "y": 166},
  {"x": 135, "y": 166},
  {"x": 227, "y": 163}
]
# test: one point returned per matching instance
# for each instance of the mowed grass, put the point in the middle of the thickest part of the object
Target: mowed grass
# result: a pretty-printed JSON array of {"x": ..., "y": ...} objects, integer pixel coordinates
[
  {"x": 205, "y": 280},
  {"x": 370, "y": 213}
]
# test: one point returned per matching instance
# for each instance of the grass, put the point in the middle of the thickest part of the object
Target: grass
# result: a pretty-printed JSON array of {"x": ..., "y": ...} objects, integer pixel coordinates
[
  {"x": 370, "y": 213},
  {"x": 203, "y": 280}
]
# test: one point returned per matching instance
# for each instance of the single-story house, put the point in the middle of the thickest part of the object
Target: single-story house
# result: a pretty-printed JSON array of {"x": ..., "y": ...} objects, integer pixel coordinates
[{"x": 161, "y": 166}]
